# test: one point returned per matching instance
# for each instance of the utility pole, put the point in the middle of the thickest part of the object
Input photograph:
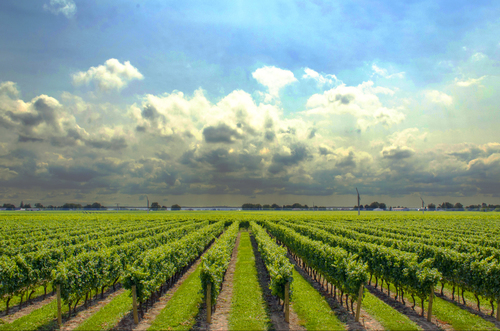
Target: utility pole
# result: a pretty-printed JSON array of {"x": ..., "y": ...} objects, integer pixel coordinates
[
  {"x": 423, "y": 205},
  {"x": 148, "y": 203},
  {"x": 359, "y": 200}
]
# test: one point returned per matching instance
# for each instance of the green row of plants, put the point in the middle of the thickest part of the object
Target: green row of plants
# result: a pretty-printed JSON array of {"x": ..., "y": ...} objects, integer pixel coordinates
[
  {"x": 274, "y": 257},
  {"x": 22, "y": 273},
  {"x": 402, "y": 269},
  {"x": 473, "y": 272},
  {"x": 156, "y": 266},
  {"x": 337, "y": 265},
  {"x": 215, "y": 262},
  {"x": 79, "y": 275}
]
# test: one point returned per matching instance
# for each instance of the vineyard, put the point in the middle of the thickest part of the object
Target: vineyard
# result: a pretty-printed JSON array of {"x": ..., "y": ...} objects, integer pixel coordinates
[{"x": 249, "y": 270}]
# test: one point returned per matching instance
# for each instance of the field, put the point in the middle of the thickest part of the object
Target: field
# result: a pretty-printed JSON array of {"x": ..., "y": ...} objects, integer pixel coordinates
[{"x": 249, "y": 271}]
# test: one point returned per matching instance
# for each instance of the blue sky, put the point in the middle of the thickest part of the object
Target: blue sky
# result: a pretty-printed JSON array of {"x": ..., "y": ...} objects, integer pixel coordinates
[{"x": 230, "y": 102}]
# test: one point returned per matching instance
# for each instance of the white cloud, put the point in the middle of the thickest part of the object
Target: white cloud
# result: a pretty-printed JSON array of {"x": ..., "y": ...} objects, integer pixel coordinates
[
  {"x": 65, "y": 7},
  {"x": 111, "y": 76},
  {"x": 469, "y": 82},
  {"x": 439, "y": 97},
  {"x": 478, "y": 57},
  {"x": 383, "y": 72},
  {"x": 359, "y": 101},
  {"x": 274, "y": 79},
  {"x": 320, "y": 79}
]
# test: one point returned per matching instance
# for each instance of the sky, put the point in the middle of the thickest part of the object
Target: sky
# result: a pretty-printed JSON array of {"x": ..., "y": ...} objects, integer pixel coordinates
[{"x": 229, "y": 102}]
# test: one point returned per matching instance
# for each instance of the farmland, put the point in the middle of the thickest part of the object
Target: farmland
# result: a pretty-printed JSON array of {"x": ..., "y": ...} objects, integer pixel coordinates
[{"x": 249, "y": 270}]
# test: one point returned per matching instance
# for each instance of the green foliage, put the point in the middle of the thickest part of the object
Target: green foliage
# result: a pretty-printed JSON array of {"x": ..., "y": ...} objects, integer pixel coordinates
[
  {"x": 275, "y": 259},
  {"x": 155, "y": 266},
  {"x": 214, "y": 263},
  {"x": 338, "y": 266}
]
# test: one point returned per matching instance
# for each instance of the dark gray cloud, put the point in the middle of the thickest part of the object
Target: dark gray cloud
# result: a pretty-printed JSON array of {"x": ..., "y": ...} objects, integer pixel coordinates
[
  {"x": 312, "y": 133},
  {"x": 270, "y": 136},
  {"x": 220, "y": 134},
  {"x": 281, "y": 161},
  {"x": 397, "y": 153},
  {"x": 347, "y": 161},
  {"x": 115, "y": 143},
  {"x": 344, "y": 99}
]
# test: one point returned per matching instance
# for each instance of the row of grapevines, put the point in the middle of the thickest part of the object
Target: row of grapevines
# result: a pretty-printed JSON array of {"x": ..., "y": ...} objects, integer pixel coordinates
[
  {"x": 21, "y": 273},
  {"x": 476, "y": 272},
  {"x": 402, "y": 269},
  {"x": 275, "y": 259},
  {"x": 396, "y": 240},
  {"x": 84, "y": 272},
  {"x": 154, "y": 267},
  {"x": 338, "y": 266},
  {"x": 215, "y": 262},
  {"x": 86, "y": 242}
]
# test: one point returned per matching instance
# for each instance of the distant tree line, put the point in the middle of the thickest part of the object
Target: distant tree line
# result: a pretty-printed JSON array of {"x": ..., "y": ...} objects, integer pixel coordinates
[
  {"x": 38, "y": 205},
  {"x": 274, "y": 206},
  {"x": 373, "y": 205}
]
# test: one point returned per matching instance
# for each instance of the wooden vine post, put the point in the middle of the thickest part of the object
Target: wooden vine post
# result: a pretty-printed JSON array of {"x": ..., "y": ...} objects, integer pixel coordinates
[
  {"x": 287, "y": 302},
  {"x": 358, "y": 306},
  {"x": 209, "y": 303},
  {"x": 134, "y": 304},
  {"x": 429, "y": 310},
  {"x": 498, "y": 310},
  {"x": 59, "y": 309}
]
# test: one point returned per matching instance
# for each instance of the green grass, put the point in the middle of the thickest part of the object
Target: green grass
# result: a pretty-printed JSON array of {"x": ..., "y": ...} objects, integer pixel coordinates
[
  {"x": 181, "y": 310},
  {"x": 312, "y": 309},
  {"x": 43, "y": 318},
  {"x": 458, "y": 318},
  {"x": 248, "y": 309},
  {"x": 469, "y": 296},
  {"x": 390, "y": 318},
  {"x": 453, "y": 315},
  {"x": 15, "y": 300},
  {"x": 109, "y": 315}
]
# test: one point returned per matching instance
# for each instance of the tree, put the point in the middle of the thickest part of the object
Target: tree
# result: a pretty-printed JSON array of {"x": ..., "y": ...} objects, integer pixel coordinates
[
  {"x": 97, "y": 205},
  {"x": 382, "y": 206},
  {"x": 445, "y": 205},
  {"x": 21, "y": 205},
  {"x": 374, "y": 205},
  {"x": 28, "y": 205},
  {"x": 155, "y": 205},
  {"x": 38, "y": 205},
  {"x": 275, "y": 206},
  {"x": 175, "y": 207},
  {"x": 9, "y": 206},
  {"x": 431, "y": 206},
  {"x": 266, "y": 207},
  {"x": 458, "y": 205}
]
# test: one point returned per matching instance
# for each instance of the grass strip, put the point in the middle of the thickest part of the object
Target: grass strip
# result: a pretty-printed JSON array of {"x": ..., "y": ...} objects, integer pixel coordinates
[
  {"x": 312, "y": 309},
  {"x": 452, "y": 314},
  {"x": 390, "y": 318},
  {"x": 181, "y": 310},
  {"x": 469, "y": 296},
  {"x": 457, "y": 317},
  {"x": 43, "y": 318},
  {"x": 17, "y": 299},
  {"x": 248, "y": 309},
  {"x": 109, "y": 315}
]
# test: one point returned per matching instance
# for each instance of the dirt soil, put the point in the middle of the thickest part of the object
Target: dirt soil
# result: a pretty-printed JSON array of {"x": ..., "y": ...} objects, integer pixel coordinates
[
  {"x": 84, "y": 313},
  {"x": 17, "y": 312},
  {"x": 406, "y": 309},
  {"x": 223, "y": 305}
]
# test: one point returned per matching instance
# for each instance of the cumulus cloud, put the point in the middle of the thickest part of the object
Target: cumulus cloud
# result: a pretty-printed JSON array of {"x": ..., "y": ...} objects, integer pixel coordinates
[
  {"x": 320, "y": 79},
  {"x": 478, "y": 57},
  {"x": 359, "y": 101},
  {"x": 113, "y": 75},
  {"x": 469, "y": 82},
  {"x": 274, "y": 79},
  {"x": 384, "y": 73},
  {"x": 439, "y": 97},
  {"x": 65, "y": 7}
]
